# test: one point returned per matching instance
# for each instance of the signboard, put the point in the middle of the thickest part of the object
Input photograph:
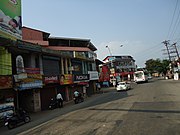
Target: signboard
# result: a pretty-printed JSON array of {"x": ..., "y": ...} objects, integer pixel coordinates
[
  {"x": 32, "y": 81},
  {"x": 10, "y": 19},
  {"x": 5, "y": 82},
  {"x": 105, "y": 74},
  {"x": 93, "y": 75},
  {"x": 6, "y": 109},
  {"x": 66, "y": 79},
  {"x": 82, "y": 77},
  {"x": 81, "y": 55},
  {"x": 51, "y": 79},
  {"x": 19, "y": 77},
  {"x": 5, "y": 62}
]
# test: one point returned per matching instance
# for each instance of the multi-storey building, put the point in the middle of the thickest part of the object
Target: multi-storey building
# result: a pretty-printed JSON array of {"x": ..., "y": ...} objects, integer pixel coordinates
[
  {"x": 33, "y": 70},
  {"x": 67, "y": 64},
  {"x": 121, "y": 67}
]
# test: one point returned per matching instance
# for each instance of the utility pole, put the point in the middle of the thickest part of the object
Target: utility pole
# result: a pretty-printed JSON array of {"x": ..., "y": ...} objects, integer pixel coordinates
[
  {"x": 166, "y": 43},
  {"x": 176, "y": 49},
  {"x": 171, "y": 50}
]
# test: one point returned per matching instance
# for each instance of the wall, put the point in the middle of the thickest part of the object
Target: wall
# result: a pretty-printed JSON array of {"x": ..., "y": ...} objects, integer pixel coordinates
[{"x": 30, "y": 34}]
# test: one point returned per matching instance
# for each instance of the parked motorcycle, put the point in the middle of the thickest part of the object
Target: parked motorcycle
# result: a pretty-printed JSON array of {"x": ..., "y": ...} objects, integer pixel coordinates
[
  {"x": 53, "y": 104},
  {"x": 78, "y": 99},
  {"x": 20, "y": 117}
]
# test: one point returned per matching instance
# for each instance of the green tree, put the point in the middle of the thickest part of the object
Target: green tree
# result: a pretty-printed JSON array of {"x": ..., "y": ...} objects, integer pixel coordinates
[{"x": 160, "y": 66}]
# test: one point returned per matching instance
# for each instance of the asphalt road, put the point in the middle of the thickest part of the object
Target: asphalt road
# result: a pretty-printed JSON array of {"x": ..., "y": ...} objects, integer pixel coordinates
[{"x": 148, "y": 109}]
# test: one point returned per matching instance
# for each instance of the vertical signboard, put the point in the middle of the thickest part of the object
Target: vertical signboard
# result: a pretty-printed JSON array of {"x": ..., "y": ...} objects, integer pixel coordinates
[
  {"x": 10, "y": 19},
  {"x": 5, "y": 62}
]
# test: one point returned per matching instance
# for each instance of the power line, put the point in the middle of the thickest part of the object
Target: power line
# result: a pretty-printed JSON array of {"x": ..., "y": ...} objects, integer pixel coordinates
[
  {"x": 177, "y": 22},
  {"x": 172, "y": 20}
]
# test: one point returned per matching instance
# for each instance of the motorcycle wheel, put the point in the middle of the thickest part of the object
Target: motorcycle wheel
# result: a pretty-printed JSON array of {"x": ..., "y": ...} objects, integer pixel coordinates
[
  {"x": 27, "y": 119},
  {"x": 11, "y": 125}
]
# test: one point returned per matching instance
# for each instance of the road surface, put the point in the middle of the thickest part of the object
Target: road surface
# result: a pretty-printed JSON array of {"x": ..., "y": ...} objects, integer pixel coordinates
[{"x": 148, "y": 109}]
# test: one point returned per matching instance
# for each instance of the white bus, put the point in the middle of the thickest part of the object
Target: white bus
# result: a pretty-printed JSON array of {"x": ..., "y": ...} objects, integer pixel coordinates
[{"x": 140, "y": 76}]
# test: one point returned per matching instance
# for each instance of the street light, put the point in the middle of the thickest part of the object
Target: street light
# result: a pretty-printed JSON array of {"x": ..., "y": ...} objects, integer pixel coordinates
[
  {"x": 112, "y": 66},
  {"x": 109, "y": 50}
]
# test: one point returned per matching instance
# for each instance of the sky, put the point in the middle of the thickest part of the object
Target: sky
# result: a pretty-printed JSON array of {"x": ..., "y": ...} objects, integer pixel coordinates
[{"x": 139, "y": 25}]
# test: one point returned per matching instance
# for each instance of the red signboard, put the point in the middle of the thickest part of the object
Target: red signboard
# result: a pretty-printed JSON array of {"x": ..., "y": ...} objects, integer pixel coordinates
[
  {"x": 32, "y": 70},
  {"x": 5, "y": 82},
  {"x": 105, "y": 74},
  {"x": 51, "y": 79}
]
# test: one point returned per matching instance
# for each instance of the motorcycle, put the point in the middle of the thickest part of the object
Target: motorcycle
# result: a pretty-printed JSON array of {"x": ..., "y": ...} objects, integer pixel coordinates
[
  {"x": 53, "y": 104},
  {"x": 16, "y": 119},
  {"x": 78, "y": 99}
]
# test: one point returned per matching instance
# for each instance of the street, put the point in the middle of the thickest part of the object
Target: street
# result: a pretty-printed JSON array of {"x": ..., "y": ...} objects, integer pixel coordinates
[{"x": 147, "y": 109}]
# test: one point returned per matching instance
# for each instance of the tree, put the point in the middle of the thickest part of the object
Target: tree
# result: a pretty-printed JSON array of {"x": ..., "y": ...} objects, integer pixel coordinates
[{"x": 160, "y": 66}]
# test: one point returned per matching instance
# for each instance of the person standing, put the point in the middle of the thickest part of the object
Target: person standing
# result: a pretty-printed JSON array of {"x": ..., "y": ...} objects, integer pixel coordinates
[{"x": 60, "y": 100}]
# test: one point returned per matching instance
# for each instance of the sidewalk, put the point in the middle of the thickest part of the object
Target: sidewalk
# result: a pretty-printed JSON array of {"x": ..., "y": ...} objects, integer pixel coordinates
[{"x": 36, "y": 117}]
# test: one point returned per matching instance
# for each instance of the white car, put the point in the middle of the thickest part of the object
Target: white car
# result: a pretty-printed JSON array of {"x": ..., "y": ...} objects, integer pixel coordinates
[{"x": 123, "y": 86}]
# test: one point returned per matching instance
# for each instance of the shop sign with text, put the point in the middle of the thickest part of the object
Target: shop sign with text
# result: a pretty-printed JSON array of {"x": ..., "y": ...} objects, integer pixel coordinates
[
  {"x": 51, "y": 79},
  {"x": 93, "y": 75},
  {"x": 32, "y": 81},
  {"x": 82, "y": 77}
]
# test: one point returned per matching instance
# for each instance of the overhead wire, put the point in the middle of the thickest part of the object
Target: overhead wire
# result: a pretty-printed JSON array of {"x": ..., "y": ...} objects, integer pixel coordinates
[
  {"x": 172, "y": 20},
  {"x": 176, "y": 25}
]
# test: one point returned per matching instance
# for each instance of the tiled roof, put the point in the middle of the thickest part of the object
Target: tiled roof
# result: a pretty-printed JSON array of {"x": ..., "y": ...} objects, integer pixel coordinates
[
  {"x": 39, "y": 42},
  {"x": 62, "y": 48}
]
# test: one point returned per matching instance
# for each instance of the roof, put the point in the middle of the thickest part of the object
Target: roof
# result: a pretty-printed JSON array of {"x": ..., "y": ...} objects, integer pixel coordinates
[
  {"x": 119, "y": 57},
  {"x": 65, "y": 38},
  {"x": 63, "y": 48},
  {"x": 39, "y": 42},
  {"x": 98, "y": 62},
  {"x": 71, "y": 42}
]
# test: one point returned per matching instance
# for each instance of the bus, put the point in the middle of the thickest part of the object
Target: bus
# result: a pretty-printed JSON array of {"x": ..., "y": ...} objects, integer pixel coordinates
[{"x": 140, "y": 76}]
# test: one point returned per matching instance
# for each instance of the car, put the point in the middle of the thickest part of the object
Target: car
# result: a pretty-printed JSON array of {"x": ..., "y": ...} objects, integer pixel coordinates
[{"x": 123, "y": 86}]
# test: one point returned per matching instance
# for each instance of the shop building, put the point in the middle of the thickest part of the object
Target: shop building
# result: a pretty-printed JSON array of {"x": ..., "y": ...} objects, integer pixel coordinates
[{"x": 122, "y": 68}]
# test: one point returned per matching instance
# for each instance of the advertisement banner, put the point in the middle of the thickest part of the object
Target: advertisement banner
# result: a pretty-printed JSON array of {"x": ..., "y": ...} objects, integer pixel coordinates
[
  {"x": 6, "y": 109},
  {"x": 32, "y": 81},
  {"x": 5, "y": 62},
  {"x": 5, "y": 82},
  {"x": 105, "y": 74},
  {"x": 10, "y": 19},
  {"x": 66, "y": 79},
  {"x": 51, "y": 79}
]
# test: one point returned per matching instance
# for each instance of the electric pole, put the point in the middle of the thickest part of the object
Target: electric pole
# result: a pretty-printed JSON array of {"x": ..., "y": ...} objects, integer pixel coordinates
[{"x": 171, "y": 50}]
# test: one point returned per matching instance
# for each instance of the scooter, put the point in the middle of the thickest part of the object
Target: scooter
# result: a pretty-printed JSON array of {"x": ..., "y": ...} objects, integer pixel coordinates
[
  {"x": 20, "y": 117},
  {"x": 78, "y": 99},
  {"x": 53, "y": 104}
]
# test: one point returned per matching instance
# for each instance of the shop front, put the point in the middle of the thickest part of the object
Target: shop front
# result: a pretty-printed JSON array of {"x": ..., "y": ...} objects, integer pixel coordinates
[
  {"x": 28, "y": 88},
  {"x": 51, "y": 84},
  {"x": 66, "y": 85},
  {"x": 6, "y": 96},
  {"x": 81, "y": 83},
  {"x": 93, "y": 77}
]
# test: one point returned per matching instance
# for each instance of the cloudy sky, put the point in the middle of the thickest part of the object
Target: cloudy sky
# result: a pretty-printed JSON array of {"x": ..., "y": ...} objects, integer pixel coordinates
[{"x": 139, "y": 25}]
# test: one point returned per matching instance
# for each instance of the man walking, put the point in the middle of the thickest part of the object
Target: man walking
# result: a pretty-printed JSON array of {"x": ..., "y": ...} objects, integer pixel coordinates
[{"x": 60, "y": 100}]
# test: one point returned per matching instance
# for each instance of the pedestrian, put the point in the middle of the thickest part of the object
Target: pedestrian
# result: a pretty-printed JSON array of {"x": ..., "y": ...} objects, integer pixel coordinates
[{"x": 59, "y": 100}]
